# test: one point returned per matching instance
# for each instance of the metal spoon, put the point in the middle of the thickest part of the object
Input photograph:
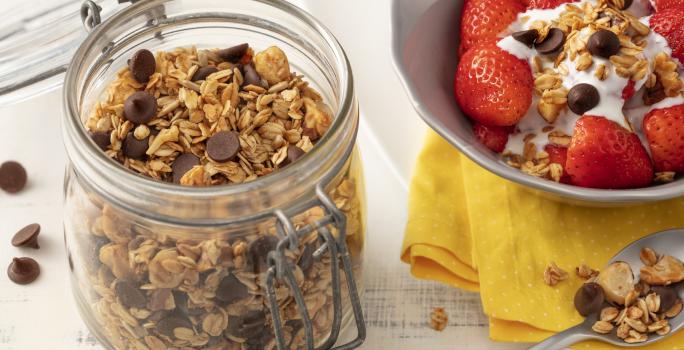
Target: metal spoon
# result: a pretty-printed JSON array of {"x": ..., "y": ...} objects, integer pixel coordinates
[{"x": 669, "y": 242}]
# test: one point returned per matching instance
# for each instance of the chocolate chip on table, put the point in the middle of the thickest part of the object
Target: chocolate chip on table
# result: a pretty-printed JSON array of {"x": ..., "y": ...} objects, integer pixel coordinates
[
  {"x": 130, "y": 295},
  {"x": 527, "y": 37},
  {"x": 259, "y": 250},
  {"x": 23, "y": 270},
  {"x": 552, "y": 43},
  {"x": 101, "y": 139},
  {"x": 203, "y": 73},
  {"x": 233, "y": 54},
  {"x": 142, "y": 65},
  {"x": 12, "y": 177},
  {"x": 252, "y": 77},
  {"x": 231, "y": 289},
  {"x": 182, "y": 165},
  {"x": 583, "y": 97},
  {"x": 293, "y": 153},
  {"x": 134, "y": 148},
  {"x": 589, "y": 299},
  {"x": 27, "y": 237},
  {"x": 668, "y": 297},
  {"x": 603, "y": 43},
  {"x": 140, "y": 107},
  {"x": 223, "y": 146}
]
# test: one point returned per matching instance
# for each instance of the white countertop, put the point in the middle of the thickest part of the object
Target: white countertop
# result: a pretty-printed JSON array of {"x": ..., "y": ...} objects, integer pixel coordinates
[{"x": 43, "y": 315}]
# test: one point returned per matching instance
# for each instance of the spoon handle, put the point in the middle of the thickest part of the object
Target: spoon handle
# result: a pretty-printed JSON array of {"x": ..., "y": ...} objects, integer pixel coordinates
[{"x": 564, "y": 339}]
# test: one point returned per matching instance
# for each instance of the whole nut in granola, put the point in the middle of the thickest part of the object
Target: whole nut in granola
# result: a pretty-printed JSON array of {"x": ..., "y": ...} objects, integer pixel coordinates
[
  {"x": 617, "y": 281},
  {"x": 552, "y": 43},
  {"x": 142, "y": 65},
  {"x": 583, "y": 97},
  {"x": 589, "y": 299},
  {"x": 272, "y": 65},
  {"x": 668, "y": 297},
  {"x": 140, "y": 107},
  {"x": 603, "y": 43}
]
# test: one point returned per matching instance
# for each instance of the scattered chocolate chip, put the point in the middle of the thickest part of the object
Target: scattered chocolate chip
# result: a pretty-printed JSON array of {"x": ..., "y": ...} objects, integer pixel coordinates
[
  {"x": 293, "y": 153},
  {"x": 259, "y": 250},
  {"x": 307, "y": 259},
  {"x": 134, "y": 148},
  {"x": 552, "y": 43},
  {"x": 527, "y": 37},
  {"x": 142, "y": 65},
  {"x": 603, "y": 43},
  {"x": 12, "y": 177},
  {"x": 101, "y": 139},
  {"x": 27, "y": 237},
  {"x": 311, "y": 133},
  {"x": 668, "y": 297},
  {"x": 182, "y": 165},
  {"x": 223, "y": 146},
  {"x": 583, "y": 97},
  {"x": 203, "y": 73},
  {"x": 140, "y": 107},
  {"x": 252, "y": 77},
  {"x": 233, "y": 54},
  {"x": 589, "y": 299},
  {"x": 23, "y": 270},
  {"x": 231, "y": 289},
  {"x": 250, "y": 325},
  {"x": 627, "y": 4},
  {"x": 130, "y": 295},
  {"x": 172, "y": 321}
]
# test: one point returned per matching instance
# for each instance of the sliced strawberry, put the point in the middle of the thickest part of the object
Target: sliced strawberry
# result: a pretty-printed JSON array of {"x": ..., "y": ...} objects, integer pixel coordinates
[
  {"x": 547, "y": 4},
  {"x": 559, "y": 155},
  {"x": 603, "y": 154},
  {"x": 485, "y": 19},
  {"x": 670, "y": 24},
  {"x": 494, "y": 137},
  {"x": 492, "y": 86},
  {"x": 664, "y": 129},
  {"x": 661, "y": 5},
  {"x": 628, "y": 91}
]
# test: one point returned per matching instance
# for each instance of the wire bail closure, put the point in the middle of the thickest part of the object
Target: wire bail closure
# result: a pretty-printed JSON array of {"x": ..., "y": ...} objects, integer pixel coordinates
[
  {"x": 91, "y": 13},
  {"x": 281, "y": 268}
]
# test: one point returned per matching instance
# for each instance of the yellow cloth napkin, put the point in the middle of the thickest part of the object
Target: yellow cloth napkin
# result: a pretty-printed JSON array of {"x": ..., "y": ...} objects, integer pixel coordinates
[{"x": 476, "y": 231}]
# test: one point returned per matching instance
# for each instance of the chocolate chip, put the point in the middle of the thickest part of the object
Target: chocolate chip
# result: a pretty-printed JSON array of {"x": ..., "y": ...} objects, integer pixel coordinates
[
  {"x": 668, "y": 297},
  {"x": 27, "y": 237},
  {"x": 101, "y": 139},
  {"x": 293, "y": 153},
  {"x": 252, "y": 77},
  {"x": 142, "y": 65},
  {"x": 259, "y": 250},
  {"x": 12, "y": 177},
  {"x": 172, "y": 321},
  {"x": 203, "y": 73},
  {"x": 311, "y": 133},
  {"x": 527, "y": 37},
  {"x": 23, "y": 270},
  {"x": 603, "y": 43},
  {"x": 589, "y": 299},
  {"x": 250, "y": 325},
  {"x": 654, "y": 94},
  {"x": 183, "y": 164},
  {"x": 627, "y": 4},
  {"x": 231, "y": 289},
  {"x": 583, "y": 97},
  {"x": 552, "y": 43},
  {"x": 223, "y": 146},
  {"x": 140, "y": 107},
  {"x": 130, "y": 295},
  {"x": 134, "y": 148},
  {"x": 307, "y": 259},
  {"x": 233, "y": 54}
]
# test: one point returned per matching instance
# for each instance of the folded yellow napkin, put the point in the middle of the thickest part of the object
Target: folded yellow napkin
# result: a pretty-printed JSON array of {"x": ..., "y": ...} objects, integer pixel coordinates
[{"x": 476, "y": 231}]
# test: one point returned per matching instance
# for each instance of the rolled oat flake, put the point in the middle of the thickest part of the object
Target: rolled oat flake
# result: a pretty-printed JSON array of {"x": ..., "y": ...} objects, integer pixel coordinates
[{"x": 12, "y": 177}]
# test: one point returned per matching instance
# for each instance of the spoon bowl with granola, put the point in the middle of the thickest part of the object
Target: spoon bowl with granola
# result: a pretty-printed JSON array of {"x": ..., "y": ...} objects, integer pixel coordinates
[{"x": 634, "y": 301}]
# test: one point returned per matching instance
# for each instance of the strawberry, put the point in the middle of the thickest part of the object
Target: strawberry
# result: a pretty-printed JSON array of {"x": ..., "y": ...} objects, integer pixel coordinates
[
  {"x": 603, "y": 154},
  {"x": 485, "y": 19},
  {"x": 661, "y": 5},
  {"x": 628, "y": 91},
  {"x": 670, "y": 24},
  {"x": 664, "y": 129},
  {"x": 494, "y": 137},
  {"x": 546, "y": 4},
  {"x": 492, "y": 86},
  {"x": 559, "y": 155}
]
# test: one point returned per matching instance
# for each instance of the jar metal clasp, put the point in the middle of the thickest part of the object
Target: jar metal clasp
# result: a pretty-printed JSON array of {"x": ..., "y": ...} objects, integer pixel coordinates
[
  {"x": 91, "y": 13},
  {"x": 281, "y": 268}
]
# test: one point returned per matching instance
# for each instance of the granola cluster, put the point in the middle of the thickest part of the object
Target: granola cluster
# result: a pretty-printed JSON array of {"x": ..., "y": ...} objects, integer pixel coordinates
[{"x": 204, "y": 118}]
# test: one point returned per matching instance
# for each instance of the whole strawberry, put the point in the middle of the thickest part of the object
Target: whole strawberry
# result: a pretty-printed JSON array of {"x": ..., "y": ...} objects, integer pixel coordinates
[
  {"x": 546, "y": 4},
  {"x": 664, "y": 129},
  {"x": 492, "y": 86},
  {"x": 559, "y": 155},
  {"x": 494, "y": 137},
  {"x": 670, "y": 24},
  {"x": 485, "y": 19},
  {"x": 603, "y": 154}
]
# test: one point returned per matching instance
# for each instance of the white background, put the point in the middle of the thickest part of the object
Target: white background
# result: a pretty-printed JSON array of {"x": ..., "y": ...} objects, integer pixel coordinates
[{"x": 43, "y": 315}]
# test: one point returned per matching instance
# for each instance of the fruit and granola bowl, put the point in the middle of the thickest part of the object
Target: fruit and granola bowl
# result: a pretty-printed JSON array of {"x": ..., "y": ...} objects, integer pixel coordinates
[{"x": 579, "y": 99}]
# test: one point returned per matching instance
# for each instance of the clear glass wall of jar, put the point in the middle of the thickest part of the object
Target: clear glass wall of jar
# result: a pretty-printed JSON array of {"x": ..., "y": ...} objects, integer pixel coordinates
[{"x": 156, "y": 265}]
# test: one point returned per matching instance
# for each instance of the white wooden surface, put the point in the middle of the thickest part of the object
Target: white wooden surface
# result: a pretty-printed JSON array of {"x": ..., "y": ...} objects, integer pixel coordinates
[{"x": 43, "y": 315}]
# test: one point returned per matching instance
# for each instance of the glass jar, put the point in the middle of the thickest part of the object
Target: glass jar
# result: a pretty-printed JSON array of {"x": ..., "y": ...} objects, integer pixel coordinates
[{"x": 273, "y": 263}]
